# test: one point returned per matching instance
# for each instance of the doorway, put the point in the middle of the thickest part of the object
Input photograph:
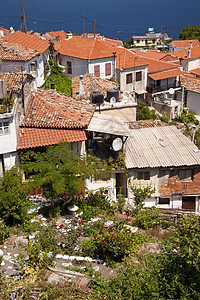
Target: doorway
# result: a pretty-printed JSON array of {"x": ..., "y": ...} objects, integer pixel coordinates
[{"x": 189, "y": 203}]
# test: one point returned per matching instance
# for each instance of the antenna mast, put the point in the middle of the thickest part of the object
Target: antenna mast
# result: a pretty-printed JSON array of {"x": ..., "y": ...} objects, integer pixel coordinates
[{"x": 23, "y": 18}]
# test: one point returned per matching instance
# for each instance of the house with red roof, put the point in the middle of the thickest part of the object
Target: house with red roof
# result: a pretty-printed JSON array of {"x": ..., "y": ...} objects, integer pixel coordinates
[
  {"x": 52, "y": 118},
  {"x": 15, "y": 90},
  {"x": 189, "y": 58},
  {"x": 182, "y": 44},
  {"x": 31, "y": 42},
  {"x": 4, "y": 32},
  {"x": 86, "y": 56}
]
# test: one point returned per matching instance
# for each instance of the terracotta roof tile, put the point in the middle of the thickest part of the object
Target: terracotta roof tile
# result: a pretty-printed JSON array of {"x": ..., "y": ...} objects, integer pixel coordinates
[
  {"x": 155, "y": 54},
  {"x": 166, "y": 74},
  {"x": 191, "y": 83},
  {"x": 185, "y": 43},
  {"x": 195, "y": 52},
  {"x": 12, "y": 51},
  {"x": 60, "y": 35},
  {"x": 126, "y": 59},
  {"x": 49, "y": 109},
  {"x": 100, "y": 37},
  {"x": 14, "y": 80},
  {"x": 27, "y": 40},
  {"x": 146, "y": 124},
  {"x": 195, "y": 71},
  {"x": 85, "y": 48},
  {"x": 38, "y": 137},
  {"x": 91, "y": 83}
]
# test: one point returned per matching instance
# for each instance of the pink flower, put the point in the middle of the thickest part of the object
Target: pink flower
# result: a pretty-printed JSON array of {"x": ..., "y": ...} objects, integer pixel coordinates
[
  {"x": 61, "y": 226},
  {"x": 121, "y": 246}
]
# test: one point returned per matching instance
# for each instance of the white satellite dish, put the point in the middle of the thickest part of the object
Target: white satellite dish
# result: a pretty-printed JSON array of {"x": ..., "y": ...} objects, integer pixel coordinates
[
  {"x": 117, "y": 144},
  {"x": 171, "y": 91},
  {"x": 112, "y": 100}
]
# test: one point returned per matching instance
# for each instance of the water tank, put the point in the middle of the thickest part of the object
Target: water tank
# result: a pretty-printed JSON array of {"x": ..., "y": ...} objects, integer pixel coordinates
[
  {"x": 113, "y": 93},
  {"x": 96, "y": 97}
]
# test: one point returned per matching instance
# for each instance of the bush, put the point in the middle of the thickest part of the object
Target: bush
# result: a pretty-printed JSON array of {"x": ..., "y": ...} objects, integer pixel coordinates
[
  {"x": 165, "y": 118},
  {"x": 147, "y": 218},
  {"x": 4, "y": 233},
  {"x": 145, "y": 113},
  {"x": 186, "y": 117},
  {"x": 112, "y": 244},
  {"x": 13, "y": 198},
  {"x": 98, "y": 199}
]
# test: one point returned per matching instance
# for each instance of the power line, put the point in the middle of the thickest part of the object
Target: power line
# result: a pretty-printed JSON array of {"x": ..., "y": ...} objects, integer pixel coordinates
[{"x": 52, "y": 21}]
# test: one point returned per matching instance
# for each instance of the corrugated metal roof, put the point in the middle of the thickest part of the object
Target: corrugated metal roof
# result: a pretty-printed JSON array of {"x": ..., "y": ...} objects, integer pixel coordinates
[
  {"x": 160, "y": 147},
  {"x": 108, "y": 124}
]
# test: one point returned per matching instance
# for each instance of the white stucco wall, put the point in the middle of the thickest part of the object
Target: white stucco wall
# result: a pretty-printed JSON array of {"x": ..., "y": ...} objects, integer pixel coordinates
[
  {"x": 193, "y": 102},
  {"x": 135, "y": 85},
  {"x": 101, "y": 62},
  {"x": 194, "y": 63},
  {"x": 10, "y": 160}
]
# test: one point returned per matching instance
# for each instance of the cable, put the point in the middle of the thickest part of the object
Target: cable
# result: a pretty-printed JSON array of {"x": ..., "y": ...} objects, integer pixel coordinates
[{"x": 52, "y": 21}]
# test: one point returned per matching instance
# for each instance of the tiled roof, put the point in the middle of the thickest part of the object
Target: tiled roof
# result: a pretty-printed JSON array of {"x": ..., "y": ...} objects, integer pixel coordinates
[
  {"x": 91, "y": 83},
  {"x": 5, "y": 31},
  {"x": 155, "y": 54},
  {"x": 166, "y": 74},
  {"x": 85, "y": 48},
  {"x": 126, "y": 59},
  {"x": 195, "y": 71},
  {"x": 12, "y": 51},
  {"x": 194, "y": 53},
  {"x": 163, "y": 146},
  {"x": 157, "y": 65},
  {"x": 191, "y": 83},
  {"x": 14, "y": 80},
  {"x": 27, "y": 40},
  {"x": 60, "y": 35},
  {"x": 49, "y": 109},
  {"x": 145, "y": 124},
  {"x": 100, "y": 37},
  {"x": 38, "y": 137},
  {"x": 185, "y": 43}
]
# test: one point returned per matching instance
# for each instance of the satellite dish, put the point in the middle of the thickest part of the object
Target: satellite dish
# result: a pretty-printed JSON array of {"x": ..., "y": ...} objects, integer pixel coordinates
[
  {"x": 117, "y": 144},
  {"x": 171, "y": 91},
  {"x": 112, "y": 100}
]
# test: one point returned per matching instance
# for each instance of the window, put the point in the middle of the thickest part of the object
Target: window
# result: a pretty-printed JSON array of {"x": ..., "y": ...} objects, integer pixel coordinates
[
  {"x": 138, "y": 41},
  {"x": 129, "y": 78},
  {"x": 4, "y": 127},
  {"x": 97, "y": 71},
  {"x": 164, "y": 201},
  {"x": 108, "y": 69},
  {"x": 143, "y": 175},
  {"x": 69, "y": 67},
  {"x": 139, "y": 76},
  {"x": 185, "y": 175}
]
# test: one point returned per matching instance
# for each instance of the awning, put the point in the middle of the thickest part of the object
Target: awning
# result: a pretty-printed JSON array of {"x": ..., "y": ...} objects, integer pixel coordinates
[
  {"x": 108, "y": 124},
  {"x": 141, "y": 92}
]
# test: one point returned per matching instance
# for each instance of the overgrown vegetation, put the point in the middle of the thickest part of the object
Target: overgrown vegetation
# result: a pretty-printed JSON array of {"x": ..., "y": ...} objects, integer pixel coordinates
[
  {"x": 190, "y": 32},
  {"x": 13, "y": 198},
  {"x": 145, "y": 113},
  {"x": 62, "y": 83},
  {"x": 187, "y": 117}
]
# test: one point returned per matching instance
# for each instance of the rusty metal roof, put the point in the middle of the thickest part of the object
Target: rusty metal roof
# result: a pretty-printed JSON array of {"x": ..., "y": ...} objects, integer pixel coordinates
[{"x": 162, "y": 146}]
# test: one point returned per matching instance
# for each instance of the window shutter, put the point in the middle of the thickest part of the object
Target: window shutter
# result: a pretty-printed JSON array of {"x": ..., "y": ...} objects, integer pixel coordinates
[
  {"x": 97, "y": 71},
  {"x": 108, "y": 69},
  {"x": 69, "y": 67}
]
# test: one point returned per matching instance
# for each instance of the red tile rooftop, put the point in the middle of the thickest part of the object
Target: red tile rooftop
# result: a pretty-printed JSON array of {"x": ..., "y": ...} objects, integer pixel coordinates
[{"x": 146, "y": 124}]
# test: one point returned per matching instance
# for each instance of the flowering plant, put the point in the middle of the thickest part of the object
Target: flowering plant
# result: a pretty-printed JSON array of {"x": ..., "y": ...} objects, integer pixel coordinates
[{"x": 112, "y": 243}]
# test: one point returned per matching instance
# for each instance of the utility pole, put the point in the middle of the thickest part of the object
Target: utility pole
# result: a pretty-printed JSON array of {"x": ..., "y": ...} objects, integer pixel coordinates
[
  {"x": 83, "y": 27},
  {"x": 23, "y": 18},
  {"x": 164, "y": 28},
  {"x": 94, "y": 28}
]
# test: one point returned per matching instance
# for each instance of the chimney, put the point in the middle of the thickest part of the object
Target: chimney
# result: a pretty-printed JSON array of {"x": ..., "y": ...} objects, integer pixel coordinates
[
  {"x": 189, "y": 53},
  {"x": 190, "y": 44},
  {"x": 81, "y": 86},
  {"x": 52, "y": 85}
]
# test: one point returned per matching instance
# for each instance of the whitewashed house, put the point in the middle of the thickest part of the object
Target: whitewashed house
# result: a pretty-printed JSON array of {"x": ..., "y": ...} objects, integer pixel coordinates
[
  {"x": 192, "y": 85},
  {"x": 182, "y": 44},
  {"x": 86, "y": 56},
  {"x": 36, "y": 66}
]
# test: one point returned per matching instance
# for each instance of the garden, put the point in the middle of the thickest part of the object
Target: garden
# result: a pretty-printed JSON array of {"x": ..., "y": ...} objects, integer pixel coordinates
[{"x": 102, "y": 251}]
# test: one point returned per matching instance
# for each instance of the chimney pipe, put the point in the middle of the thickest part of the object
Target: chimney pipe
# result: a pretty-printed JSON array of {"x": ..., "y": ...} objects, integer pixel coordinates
[{"x": 81, "y": 85}]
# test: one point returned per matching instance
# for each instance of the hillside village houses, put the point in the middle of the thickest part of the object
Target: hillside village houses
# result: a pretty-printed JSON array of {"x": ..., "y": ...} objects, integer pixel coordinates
[
  {"x": 182, "y": 44},
  {"x": 154, "y": 154},
  {"x": 38, "y": 44}
]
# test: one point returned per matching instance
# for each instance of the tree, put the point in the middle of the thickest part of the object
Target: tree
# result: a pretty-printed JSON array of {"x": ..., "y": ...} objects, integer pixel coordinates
[
  {"x": 140, "y": 194},
  {"x": 13, "y": 197},
  {"x": 60, "y": 171},
  {"x": 190, "y": 32},
  {"x": 145, "y": 113}
]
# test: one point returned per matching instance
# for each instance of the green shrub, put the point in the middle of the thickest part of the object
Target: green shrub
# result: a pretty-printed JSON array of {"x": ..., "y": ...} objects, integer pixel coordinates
[
  {"x": 112, "y": 244},
  {"x": 145, "y": 113},
  {"x": 97, "y": 199},
  {"x": 165, "y": 118},
  {"x": 120, "y": 201},
  {"x": 13, "y": 198},
  {"x": 147, "y": 218},
  {"x": 4, "y": 233}
]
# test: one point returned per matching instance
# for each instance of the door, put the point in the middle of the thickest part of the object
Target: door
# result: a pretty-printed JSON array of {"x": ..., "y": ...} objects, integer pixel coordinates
[
  {"x": 188, "y": 203},
  {"x": 121, "y": 184}
]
